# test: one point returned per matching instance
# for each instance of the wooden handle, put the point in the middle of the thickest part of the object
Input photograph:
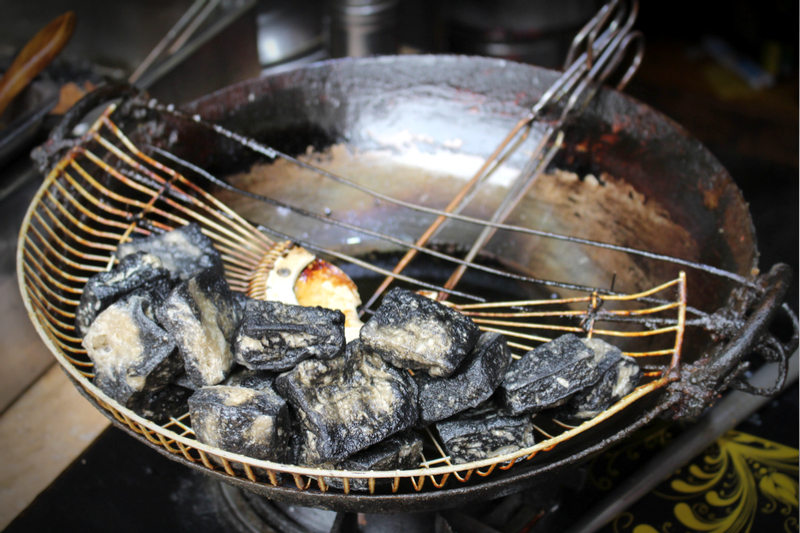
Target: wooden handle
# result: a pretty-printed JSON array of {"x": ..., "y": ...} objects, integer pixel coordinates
[{"x": 36, "y": 55}]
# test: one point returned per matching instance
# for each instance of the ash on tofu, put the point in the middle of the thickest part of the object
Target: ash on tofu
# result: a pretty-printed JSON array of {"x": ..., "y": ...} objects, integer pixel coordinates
[
  {"x": 620, "y": 377},
  {"x": 349, "y": 402},
  {"x": 483, "y": 432},
  {"x": 244, "y": 421},
  {"x": 549, "y": 375},
  {"x": 277, "y": 336},
  {"x": 201, "y": 316},
  {"x": 133, "y": 357},
  {"x": 398, "y": 452},
  {"x": 474, "y": 382},
  {"x": 138, "y": 271},
  {"x": 413, "y": 332},
  {"x": 184, "y": 251},
  {"x": 170, "y": 402}
]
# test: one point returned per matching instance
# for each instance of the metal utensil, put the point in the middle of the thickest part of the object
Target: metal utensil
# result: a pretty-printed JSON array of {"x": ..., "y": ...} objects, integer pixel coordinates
[{"x": 35, "y": 56}]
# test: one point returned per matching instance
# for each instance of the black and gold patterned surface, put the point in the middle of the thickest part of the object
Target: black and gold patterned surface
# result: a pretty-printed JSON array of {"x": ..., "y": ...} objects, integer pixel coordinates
[{"x": 744, "y": 482}]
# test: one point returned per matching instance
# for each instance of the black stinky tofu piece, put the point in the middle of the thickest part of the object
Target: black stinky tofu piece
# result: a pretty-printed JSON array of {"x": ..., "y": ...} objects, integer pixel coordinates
[
  {"x": 619, "y": 380},
  {"x": 251, "y": 379},
  {"x": 277, "y": 336},
  {"x": 474, "y": 382},
  {"x": 201, "y": 316},
  {"x": 184, "y": 251},
  {"x": 241, "y": 299},
  {"x": 296, "y": 453},
  {"x": 183, "y": 380},
  {"x": 349, "y": 402},
  {"x": 137, "y": 271},
  {"x": 549, "y": 375},
  {"x": 133, "y": 356},
  {"x": 171, "y": 402},
  {"x": 414, "y": 332},
  {"x": 398, "y": 452},
  {"x": 483, "y": 432},
  {"x": 239, "y": 377},
  {"x": 244, "y": 421}
]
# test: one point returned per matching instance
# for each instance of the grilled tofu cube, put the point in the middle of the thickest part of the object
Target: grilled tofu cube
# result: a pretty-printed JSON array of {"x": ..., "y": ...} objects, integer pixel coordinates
[
  {"x": 184, "y": 251},
  {"x": 183, "y": 380},
  {"x": 349, "y": 402},
  {"x": 483, "y": 432},
  {"x": 621, "y": 376},
  {"x": 413, "y": 332},
  {"x": 277, "y": 336},
  {"x": 170, "y": 402},
  {"x": 398, "y": 452},
  {"x": 133, "y": 357},
  {"x": 244, "y": 421},
  {"x": 474, "y": 382},
  {"x": 241, "y": 299},
  {"x": 138, "y": 271},
  {"x": 549, "y": 375},
  {"x": 201, "y": 317}
]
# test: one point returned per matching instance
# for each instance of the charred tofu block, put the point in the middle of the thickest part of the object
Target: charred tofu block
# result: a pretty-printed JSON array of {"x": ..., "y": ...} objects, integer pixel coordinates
[
  {"x": 171, "y": 402},
  {"x": 241, "y": 299},
  {"x": 605, "y": 355},
  {"x": 137, "y": 271},
  {"x": 349, "y": 402},
  {"x": 244, "y": 421},
  {"x": 277, "y": 336},
  {"x": 474, "y": 382},
  {"x": 414, "y": 332},
  {"x": 184, "y": 251},
  {"x": 183, "y": 380},
  {"x": 399, "y": 452},
  {"x": 483, "y": 432},
  {"x": 201, "y": 317},
  {"x": 239, "y": 377},
  {"x": 618, "y": 380},
  {"x": 251, "y": 379},
  {"x": 133, "y": 357},
  {"x": 549, "y": 375},
  {"x": 296, "y": 453}
]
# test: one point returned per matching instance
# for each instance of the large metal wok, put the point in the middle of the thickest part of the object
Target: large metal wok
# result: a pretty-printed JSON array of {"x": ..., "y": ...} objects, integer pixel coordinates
[{"x": 412, "y": 126}]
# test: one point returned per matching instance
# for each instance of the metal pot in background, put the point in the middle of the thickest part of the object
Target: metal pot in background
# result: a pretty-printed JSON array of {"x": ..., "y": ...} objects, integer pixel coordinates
[
  {"x": 290, "y": 34},
  {"x": 535, "y": 31},
  {"x": 359, "y": 28}
]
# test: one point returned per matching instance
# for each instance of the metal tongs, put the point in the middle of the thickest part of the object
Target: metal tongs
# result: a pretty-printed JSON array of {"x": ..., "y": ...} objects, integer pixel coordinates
[
  {"x": 596, "y": 52},
  {"x": 197, "y": 25}
]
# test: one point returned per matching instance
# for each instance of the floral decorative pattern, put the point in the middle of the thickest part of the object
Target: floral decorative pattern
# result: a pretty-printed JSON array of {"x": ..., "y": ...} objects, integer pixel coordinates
[{"x": 726, "y": 490}]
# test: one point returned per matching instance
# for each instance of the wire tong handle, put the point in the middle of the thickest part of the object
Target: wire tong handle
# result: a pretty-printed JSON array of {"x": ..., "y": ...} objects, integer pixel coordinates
[{"x": 596, "y": 52}]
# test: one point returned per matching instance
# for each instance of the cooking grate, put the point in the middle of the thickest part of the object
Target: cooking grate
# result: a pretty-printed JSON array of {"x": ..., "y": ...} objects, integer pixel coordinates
[{"x": 107, "y": 189}]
